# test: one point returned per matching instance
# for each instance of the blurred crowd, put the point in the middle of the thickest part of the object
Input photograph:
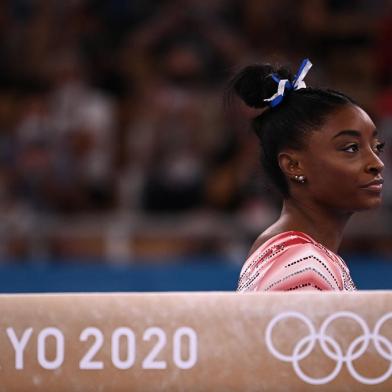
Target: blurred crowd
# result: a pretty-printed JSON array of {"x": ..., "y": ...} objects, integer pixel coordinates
[{"x": 115, "y": 107}]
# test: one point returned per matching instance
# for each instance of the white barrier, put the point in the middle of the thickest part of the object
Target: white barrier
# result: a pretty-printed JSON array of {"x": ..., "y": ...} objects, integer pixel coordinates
[{"x": 305, "y": 341}]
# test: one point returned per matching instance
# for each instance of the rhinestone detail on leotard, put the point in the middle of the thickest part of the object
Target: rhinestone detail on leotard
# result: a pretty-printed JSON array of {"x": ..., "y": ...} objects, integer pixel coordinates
[{"x": 306, "y": 257}]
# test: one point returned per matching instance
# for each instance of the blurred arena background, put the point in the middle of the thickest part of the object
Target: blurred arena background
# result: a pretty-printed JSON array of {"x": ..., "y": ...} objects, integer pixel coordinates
[{"x": 120, "y": 169}]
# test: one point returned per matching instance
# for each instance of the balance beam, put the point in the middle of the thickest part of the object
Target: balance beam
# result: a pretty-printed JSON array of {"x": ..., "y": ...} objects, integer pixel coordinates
[{"x": 305, "y": 341}]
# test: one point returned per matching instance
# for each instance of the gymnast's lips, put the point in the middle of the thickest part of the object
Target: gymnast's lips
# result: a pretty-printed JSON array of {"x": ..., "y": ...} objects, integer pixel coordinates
[{"x": 375, "y": 185}]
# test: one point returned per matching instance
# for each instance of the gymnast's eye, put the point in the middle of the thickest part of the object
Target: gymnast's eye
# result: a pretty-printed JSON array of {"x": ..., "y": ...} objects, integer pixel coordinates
[
  {"x": 351, "y": 148},
  {"x": 379, "y": 148}
]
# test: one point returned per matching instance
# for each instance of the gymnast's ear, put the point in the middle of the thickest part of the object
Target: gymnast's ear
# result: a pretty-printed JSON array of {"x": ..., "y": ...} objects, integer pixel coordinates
[{"x": 290, "y": 163}]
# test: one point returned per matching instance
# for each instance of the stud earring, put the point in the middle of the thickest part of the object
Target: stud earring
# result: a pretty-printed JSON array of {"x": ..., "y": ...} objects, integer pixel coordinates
[{"x": 300, "y": 179}]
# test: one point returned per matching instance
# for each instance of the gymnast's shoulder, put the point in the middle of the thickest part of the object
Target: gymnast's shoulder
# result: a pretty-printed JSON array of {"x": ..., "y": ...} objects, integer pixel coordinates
[{"x": 287, "y": 260}]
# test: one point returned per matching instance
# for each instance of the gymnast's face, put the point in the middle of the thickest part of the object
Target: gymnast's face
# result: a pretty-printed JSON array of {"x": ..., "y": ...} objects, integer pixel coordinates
[{"x": 342, "y": 162}]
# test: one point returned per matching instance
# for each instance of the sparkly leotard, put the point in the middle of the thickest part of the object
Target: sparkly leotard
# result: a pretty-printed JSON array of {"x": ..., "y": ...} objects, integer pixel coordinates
[{"x": 294, "y": 261}]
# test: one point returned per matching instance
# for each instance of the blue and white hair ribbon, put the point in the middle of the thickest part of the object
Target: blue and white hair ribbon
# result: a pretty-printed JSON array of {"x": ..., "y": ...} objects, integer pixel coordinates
[
  {"x": 283, "y": 84},
  {"x": 298, "y": 81}
]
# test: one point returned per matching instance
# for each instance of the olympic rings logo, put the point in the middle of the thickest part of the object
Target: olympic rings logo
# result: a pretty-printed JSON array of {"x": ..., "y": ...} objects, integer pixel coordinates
[{"x": 304, "y": 346}]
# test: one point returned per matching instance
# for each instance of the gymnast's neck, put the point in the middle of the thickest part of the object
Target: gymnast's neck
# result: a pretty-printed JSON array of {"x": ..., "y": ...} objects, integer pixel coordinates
[{"x": 322, "y": 223}]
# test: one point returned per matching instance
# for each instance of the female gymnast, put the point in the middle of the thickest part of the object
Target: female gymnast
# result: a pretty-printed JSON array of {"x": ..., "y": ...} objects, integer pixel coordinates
[{"x": 321, "y": 151}]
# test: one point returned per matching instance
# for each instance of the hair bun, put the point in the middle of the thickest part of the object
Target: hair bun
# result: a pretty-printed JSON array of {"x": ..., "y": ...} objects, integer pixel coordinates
[{"x": 254, "y": 83}]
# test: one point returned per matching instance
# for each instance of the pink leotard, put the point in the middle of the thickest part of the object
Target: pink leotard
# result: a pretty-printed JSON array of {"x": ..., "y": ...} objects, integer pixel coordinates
[{"x": 294, "y": 261}]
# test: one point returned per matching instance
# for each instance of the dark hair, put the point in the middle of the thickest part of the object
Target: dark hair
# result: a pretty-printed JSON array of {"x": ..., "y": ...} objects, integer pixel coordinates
[{"x": 287, "y": 124}]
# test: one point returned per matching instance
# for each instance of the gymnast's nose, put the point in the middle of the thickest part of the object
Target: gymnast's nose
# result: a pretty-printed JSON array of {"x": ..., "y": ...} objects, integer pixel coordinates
[{"x": 375, "y": 164}]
